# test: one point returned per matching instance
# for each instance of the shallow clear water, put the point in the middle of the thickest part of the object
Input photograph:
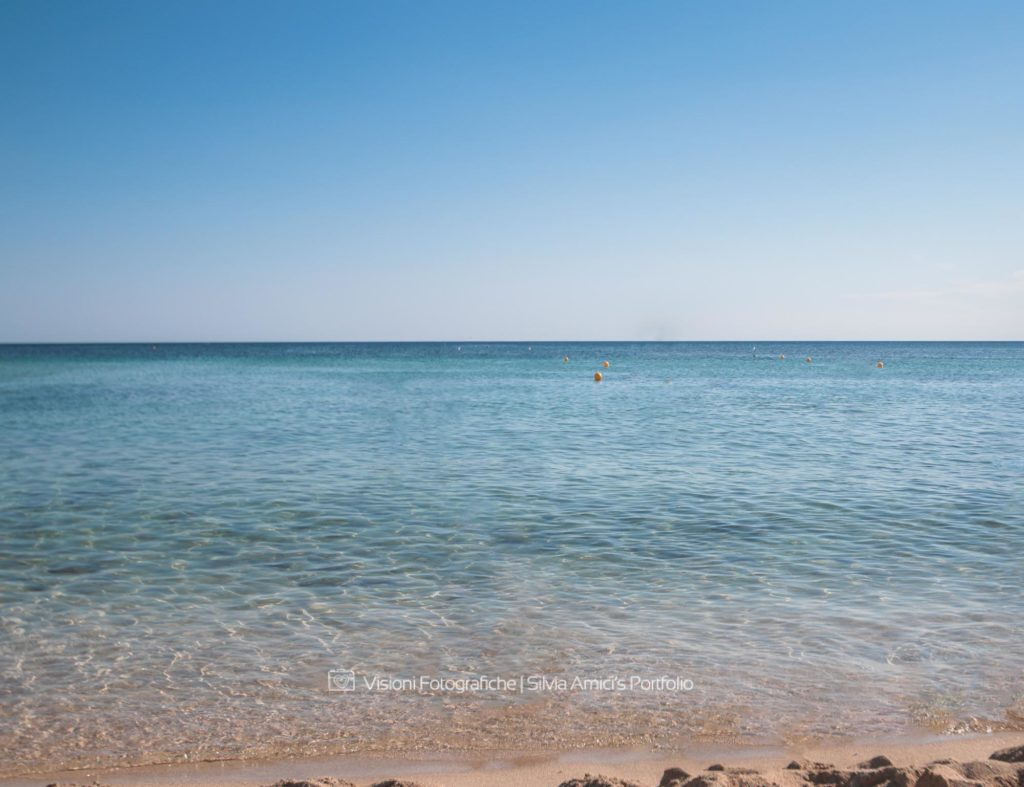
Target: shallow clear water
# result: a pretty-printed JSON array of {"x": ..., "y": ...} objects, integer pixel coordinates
[{"x": 193, "y": 535}]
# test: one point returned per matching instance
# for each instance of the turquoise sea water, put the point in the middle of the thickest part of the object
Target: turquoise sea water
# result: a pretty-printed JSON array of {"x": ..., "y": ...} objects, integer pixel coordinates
[{"x": 191, "y": 536}]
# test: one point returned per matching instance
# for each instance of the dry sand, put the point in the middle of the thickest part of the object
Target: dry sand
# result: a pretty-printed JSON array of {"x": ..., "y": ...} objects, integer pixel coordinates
[{"x": 545, "y": 770}]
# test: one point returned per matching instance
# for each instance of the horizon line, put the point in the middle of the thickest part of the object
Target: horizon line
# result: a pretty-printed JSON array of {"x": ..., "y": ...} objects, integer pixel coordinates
[{"x": 157, "y": 342}]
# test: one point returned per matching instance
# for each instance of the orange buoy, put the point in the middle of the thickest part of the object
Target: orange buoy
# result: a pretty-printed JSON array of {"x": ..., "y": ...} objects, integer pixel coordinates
[
  {"x": 605, "y": 364},
  {"x": 879, "y": 365},
  {"x": 597, "y": 377},
  {"x": 808, "y": 359}
]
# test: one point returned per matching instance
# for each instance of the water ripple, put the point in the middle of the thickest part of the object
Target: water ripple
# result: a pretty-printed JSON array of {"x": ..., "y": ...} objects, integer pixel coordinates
[{"x": 194, "y": 535}]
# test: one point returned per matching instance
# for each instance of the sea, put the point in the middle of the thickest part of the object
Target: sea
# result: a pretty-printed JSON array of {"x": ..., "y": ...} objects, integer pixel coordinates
[{"x": 219, "y": 551}]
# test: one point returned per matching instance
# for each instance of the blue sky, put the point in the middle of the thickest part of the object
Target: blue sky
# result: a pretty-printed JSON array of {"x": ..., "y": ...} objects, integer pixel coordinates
[{"x": 572, "y": 170}]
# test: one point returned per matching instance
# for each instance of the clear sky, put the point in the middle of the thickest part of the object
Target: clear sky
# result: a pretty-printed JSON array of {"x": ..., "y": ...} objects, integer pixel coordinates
[{"x": 481, "y": 170}]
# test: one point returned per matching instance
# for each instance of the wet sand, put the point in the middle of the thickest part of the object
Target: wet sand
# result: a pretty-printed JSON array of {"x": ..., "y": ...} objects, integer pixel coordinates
[{"x": 545, "y": 769}]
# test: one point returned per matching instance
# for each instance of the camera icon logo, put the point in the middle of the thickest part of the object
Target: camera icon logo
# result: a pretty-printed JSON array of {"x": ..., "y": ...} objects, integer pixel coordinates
[{"x": 341, "y": 680}]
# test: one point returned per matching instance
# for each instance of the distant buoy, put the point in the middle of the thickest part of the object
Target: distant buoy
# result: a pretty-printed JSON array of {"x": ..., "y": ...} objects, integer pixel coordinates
[
  {"x": 597, "y": 377},
  {"x": 565, "y": 359},
  {"x": 605, "y": 364},
  {"x": 808, "y": 359},
  {"x": 782, "y": 357},
  {"x": 879, "y": 365}
]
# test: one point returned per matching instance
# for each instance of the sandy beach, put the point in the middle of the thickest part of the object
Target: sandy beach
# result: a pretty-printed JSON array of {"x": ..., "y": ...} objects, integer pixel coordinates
[{"x": 915, "y": 762}]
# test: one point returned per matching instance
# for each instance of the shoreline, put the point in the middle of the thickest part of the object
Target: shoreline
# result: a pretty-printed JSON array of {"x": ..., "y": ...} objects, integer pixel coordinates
[{"x": 538, "y": 769}]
